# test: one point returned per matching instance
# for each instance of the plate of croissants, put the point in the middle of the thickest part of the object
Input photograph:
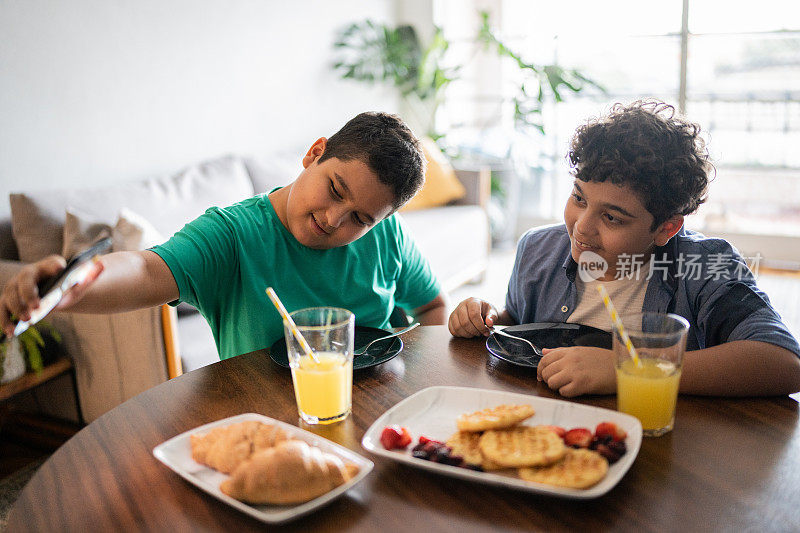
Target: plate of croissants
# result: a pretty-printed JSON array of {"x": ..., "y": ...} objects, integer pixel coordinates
[{"x": 266, "y": 468}]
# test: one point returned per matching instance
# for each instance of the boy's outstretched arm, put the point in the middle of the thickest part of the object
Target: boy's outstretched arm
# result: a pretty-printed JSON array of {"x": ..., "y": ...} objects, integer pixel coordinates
[
  {"x": 741, "y": 368},
  {"x": 122, "y": 281},
  {"x": 735, "y": 368},
  {"x": 474, "y": 317},
  {"x": 433, "y": 313}
]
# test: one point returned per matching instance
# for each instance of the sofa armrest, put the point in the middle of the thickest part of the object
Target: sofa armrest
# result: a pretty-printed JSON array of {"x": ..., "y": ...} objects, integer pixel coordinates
[
  {"x": 116, "y": 356},
  {"x": 477, "y": 182}
]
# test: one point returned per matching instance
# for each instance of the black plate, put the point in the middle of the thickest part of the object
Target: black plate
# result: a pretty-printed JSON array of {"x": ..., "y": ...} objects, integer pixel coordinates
[
  {"x": 543, "y": 335},
  {"x": 378, "y": 353}
]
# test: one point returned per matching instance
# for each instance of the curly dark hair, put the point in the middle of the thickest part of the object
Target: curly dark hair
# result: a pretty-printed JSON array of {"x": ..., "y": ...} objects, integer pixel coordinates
[
  {"x": 645, "y": 146},
  {"x": 386, "y": 145}
]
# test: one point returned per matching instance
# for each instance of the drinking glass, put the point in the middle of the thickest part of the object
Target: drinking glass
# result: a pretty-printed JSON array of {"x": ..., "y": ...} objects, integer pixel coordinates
[
  {"x": 323, "y": 387},
  {"x": 649, "y": 390}
]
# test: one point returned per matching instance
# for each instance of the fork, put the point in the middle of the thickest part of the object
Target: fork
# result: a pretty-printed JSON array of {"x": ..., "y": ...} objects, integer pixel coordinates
[
  {"x": 504, "y": 333},
  {"x": 362, "y": 351}
]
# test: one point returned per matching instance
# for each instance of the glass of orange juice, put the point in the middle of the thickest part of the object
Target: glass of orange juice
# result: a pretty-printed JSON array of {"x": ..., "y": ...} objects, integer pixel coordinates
[
  {"x": 649, "y": 390},
  {"x": 323, "y": 384}
]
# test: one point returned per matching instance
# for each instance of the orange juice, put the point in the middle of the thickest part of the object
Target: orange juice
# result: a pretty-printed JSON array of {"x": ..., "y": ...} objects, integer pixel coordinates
[
  {"x": 323, "y": 390},
  {"x": 649, "y": 393}
]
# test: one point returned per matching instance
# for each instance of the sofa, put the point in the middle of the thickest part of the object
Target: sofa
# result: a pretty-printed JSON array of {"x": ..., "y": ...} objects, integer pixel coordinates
[{"x": 116, "y": 356}]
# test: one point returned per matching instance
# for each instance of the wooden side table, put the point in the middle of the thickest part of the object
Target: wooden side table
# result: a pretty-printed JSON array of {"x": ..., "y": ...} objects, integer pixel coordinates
[
  {"x": 27, "y": 436},
  {"x": 29, "y": 380}
]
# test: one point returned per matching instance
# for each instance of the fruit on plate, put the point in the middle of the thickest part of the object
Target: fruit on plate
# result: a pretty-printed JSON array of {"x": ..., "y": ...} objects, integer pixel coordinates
[
  {"x": 610, "y": 429},
  {"x": 438, "y": 452},
  {"x": 578, "y": 437},
  {"x": 611, "y": 449},
  {"x": 395, "y": 437},
  {"x": 582, "y": 461}
]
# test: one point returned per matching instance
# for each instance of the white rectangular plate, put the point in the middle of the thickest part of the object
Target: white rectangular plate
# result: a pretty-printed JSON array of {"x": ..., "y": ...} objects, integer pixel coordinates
[
  {"x": 432, "y": 412},
  {"x": 176, "y": 453}
]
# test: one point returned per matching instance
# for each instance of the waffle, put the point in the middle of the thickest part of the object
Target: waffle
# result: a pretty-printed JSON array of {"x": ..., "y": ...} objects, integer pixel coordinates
[
  {"x": 465, "y": 444},
  {"x": 502, "y": 416},
  {"x": 522, "y": 446},
  {"x": 580, "y": 469}
]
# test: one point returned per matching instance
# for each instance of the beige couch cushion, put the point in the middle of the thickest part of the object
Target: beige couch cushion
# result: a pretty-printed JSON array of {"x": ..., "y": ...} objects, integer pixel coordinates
[
  {"x": 130, "y": 232},
  {"x": 127, "y": 351},
  {"x": 116, "y": 356},
  {"x": 168, "y": 202}
]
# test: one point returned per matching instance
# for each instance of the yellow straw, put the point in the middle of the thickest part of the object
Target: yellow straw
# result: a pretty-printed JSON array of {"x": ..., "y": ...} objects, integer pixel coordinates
[
  {"x": 618, "y": 323},
  {"x": 292, "y": 326}
]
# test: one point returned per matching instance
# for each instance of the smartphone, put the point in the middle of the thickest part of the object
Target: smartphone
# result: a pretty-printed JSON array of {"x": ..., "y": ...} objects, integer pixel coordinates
[{"x": 53, "y": 290}]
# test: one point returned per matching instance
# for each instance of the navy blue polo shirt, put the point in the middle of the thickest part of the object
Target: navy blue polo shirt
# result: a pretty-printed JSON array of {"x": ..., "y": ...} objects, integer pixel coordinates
[{"x": 705, "y": 280}]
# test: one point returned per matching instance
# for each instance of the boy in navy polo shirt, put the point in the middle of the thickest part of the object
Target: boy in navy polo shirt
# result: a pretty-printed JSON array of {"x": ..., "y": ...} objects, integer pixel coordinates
[{"x": 638, "y": 172}]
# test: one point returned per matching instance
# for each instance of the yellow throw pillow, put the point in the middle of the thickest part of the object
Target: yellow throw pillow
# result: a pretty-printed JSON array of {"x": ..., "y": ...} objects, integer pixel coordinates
[{"x": 441, "y": 184}]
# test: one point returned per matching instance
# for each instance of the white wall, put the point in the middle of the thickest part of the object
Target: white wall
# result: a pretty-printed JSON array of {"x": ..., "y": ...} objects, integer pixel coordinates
[{"x": 93, "y": 91}]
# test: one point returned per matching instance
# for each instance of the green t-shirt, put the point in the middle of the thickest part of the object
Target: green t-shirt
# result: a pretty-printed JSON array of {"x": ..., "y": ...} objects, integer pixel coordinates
[{"x": 223, "y": 261}]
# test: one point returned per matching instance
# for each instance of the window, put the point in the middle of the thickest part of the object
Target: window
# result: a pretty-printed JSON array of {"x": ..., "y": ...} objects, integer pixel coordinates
[{"x": 742, "y": 79}]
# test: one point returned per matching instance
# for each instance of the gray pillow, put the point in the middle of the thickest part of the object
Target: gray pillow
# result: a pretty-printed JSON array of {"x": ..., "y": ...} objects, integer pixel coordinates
[{"x": 167, "y": 202}]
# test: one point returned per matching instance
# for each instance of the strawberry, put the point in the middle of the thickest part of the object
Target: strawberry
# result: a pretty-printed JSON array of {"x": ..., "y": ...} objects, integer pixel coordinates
[
  {"x": 578, "y": 438},
  {"x": 610, "y": 429},
  {"x": 424, "y": 440},
  {"x": 395, "y": 437},
  {"x": 558, "y": 430},
  {"x": 405, "y": 438},
  {"x": 390, "y": 436}
]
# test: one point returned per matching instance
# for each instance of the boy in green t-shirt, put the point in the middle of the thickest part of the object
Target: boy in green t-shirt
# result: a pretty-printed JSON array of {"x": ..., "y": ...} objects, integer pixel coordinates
[{"x": 329, "y": 238}]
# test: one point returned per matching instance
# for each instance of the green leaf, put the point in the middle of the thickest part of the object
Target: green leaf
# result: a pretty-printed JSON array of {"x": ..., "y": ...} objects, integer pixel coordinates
[
  {"x": 372, "y": 52},
  {"x": 31, "y": 343},
  {"x": 31, "y": 350},
  {"x": 35, "y": 360}
]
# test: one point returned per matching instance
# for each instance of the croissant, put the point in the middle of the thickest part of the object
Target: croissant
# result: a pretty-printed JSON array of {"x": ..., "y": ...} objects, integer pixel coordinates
[
  {"x": 224, "y": 448},
  {"x": 291, "y": 472}
]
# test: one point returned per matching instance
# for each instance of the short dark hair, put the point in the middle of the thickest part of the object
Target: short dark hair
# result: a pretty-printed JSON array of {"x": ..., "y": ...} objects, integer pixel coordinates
[
  {"x": 387, "y": 146},
  {"x": 645, "y": 146}
]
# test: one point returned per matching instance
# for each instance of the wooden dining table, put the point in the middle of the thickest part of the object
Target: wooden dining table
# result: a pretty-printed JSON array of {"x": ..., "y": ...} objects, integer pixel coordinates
[{"x": 730, "y": 464}]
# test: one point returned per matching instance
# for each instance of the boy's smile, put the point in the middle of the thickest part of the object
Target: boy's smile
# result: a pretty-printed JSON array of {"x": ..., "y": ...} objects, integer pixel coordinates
[
  {"x": 610, "y": 220},
  {"x": 332, "y": 203}
]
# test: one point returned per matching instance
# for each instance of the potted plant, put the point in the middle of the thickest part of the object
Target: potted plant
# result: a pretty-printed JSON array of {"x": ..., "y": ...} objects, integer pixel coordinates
[
  {"x": 30, "y": 350},
  {"x": 370, "y": 52}
]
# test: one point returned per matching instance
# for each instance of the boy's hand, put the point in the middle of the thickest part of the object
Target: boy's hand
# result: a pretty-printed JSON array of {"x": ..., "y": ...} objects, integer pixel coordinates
[
  {"x": 577, "y": 370},
  {"x": 472, "y": 317},
  {"x": 21, "y": 294}
]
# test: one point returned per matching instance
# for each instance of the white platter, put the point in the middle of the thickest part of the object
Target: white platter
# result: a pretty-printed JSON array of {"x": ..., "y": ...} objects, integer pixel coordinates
[
  {"x": 176, "y": 453},
  {"x": 432, "y": 412}
]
